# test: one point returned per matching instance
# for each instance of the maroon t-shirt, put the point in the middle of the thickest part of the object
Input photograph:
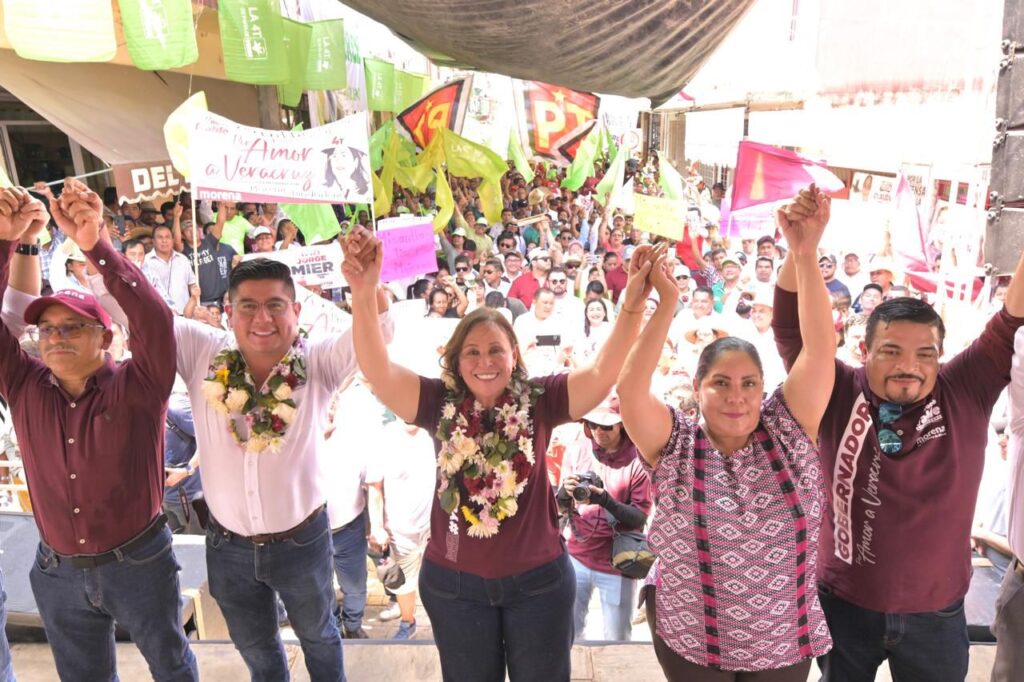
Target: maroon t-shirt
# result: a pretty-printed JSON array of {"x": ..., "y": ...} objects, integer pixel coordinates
[
  {"x": 617, "y": 280},
  {"x": 897, "y": 538},
  {"x": 530, "y": 538},
  {"x": 524, "y": 288}
]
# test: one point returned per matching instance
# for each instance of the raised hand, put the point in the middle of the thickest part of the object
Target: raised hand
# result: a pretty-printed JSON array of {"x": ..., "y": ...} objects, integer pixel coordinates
[
  {"x": 12, "y": 221},
  {"x": 639, "y": 285},
  {"x": 79, "y": 213},
  {"x": 803, "y": 220},
  {"x": 36, "y": 216},
  {"x": 364, "y": 255},
  {"x": 663, "y": 277}
]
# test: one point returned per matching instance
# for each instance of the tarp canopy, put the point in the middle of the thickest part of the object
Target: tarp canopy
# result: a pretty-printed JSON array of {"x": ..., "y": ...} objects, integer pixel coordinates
[
  {"x": 636, "y": 49},
  {"x": 117, "y": 112}
]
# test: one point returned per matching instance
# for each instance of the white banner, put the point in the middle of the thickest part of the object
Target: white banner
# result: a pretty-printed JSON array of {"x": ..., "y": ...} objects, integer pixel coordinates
[
  {"x": 327, "y": 164},
  {"x": 318, "y": 265}
]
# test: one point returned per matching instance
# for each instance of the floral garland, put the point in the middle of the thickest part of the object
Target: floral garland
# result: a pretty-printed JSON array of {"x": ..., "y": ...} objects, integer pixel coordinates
[
  {"x": 268, "y": 412},
  {"x": 492, "y": 464}
]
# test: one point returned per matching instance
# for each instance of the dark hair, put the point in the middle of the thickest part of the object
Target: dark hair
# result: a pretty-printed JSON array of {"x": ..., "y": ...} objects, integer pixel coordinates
[
  {"x": 714, "y": 350},
  {"x": 854, "y": 320},
  {"x": 554, "y": 269},
  {"x": 904, "y": 309},
  {"x": 586, "y": 320},
  {"x": 358, "y": 177},
  {"x": 450, "y": 359},
  {"x": 494, "y": 300},
  {"x": 129, "y": 243},
  {"x": 163, "y": 227},
  {"x": 595, "y": 287},
  {"x": 766, "y": 259},
  {"x": 206, "y": 227},
  {"x": 461, "y": 260},
  {"x": 109, "y": 195},
  {"x": 704, "y": 290},
  {"x": 260, "y": 269},
  {"x": 876, "y": 287},
  {"x": 166, "y": 206},
  {"x": 420, "y": 287},
  {"x": 717, "y": 250},
  {"x": 610, "y": 254},
  {"x": 540, "y": 292},
  {"x": 495, "y": 263},
  {"x": 433, "y": 294},
  {"x": 766, "y": 238}
]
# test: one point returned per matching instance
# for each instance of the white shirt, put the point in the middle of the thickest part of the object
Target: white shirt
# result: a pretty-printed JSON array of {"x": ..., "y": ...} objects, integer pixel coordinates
[
  {"x": 357, "y": 431},
  {"x": 1015, "y": 449},
  {"x": 409, "y": 474},
  {"x": 254, "y": 494},
  {"x": 171, "y": 278},
  {"x": 570, "y": 310},
  {"x": 541, "y": 360}
]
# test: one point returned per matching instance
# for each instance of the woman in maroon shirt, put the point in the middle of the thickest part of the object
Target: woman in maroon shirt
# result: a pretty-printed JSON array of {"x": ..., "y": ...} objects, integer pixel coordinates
[
  {"x": 740, "y": 496},
  {"x": 496, "y": 580}
]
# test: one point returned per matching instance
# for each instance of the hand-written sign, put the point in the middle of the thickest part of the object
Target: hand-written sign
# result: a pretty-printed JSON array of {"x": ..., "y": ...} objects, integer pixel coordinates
[
  {"x": 408, "y": 250},
  {"x": 657, "y": 215},
  {"x": 318, "y": 265}
]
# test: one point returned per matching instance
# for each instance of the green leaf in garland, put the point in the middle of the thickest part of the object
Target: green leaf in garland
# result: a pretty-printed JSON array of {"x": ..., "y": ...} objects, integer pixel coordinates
[{"x": 450, "y": 499}]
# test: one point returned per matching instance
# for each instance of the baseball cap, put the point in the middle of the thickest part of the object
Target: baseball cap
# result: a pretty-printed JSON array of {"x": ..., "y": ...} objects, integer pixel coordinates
[
  {"x": 80, "y": 302},
  {"x": 481, "y": 221},
  {"x": 829, "y": 257},
  {"x": 259, "y": 232},
  {"x": 459, "y": 232},
  {"x": 730, "y": 259},
  {"x": 538, "y": 253},
  {"x": 605, "y": 414},
  {"x": 681, "y": 271}
]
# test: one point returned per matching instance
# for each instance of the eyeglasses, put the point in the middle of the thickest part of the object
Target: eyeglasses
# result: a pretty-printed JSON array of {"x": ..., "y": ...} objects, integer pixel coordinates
[
  {"x": 275, "y": 307},
  {"x": 542, "y": 258},
  {"x": 558, "y": 281},
  {"x": 67, "y": 331},
  {"x": 592, "y": 426},
  {"x": 461, "y": 269},
  {"x": 888, "y": 440},
  {"x": 680, "y": 278}
]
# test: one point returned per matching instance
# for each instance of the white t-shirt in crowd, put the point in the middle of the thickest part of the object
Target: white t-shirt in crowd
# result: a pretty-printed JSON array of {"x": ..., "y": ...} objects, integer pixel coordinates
[{"x": 406, "y": 464}]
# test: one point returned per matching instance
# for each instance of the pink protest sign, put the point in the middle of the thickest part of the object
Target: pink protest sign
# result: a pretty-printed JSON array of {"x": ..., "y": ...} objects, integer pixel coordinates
[{"x": 408, "y": 251}]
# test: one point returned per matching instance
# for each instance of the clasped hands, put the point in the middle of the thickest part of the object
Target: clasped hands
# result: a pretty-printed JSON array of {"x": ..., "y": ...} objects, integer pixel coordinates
[{"x": 78, "y": 213}]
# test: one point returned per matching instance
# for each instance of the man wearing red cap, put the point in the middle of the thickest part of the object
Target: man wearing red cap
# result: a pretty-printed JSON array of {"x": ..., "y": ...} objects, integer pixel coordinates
[{"x": 91, "y": 435}]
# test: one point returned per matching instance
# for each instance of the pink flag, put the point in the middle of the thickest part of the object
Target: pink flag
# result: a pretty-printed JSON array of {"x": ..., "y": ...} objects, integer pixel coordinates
[
  {"x": 906, "y": 230},
  {"x": 765, "y": 174}
]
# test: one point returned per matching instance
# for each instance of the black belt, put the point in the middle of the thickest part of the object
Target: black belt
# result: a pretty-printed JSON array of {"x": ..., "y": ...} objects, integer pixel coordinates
[
  {"x": 119, "y": 552},
  {"x": 269, "y": 538}
]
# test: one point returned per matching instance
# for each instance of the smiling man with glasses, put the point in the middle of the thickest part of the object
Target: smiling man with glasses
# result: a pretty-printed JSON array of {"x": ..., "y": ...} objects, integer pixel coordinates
[
  {"x": 902, "y": 447},
  {"x": 91, "y": 434}
]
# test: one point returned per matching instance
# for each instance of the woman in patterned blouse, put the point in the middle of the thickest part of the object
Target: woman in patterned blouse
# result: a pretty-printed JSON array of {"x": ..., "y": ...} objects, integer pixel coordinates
[{"x": 739, "y": 495}]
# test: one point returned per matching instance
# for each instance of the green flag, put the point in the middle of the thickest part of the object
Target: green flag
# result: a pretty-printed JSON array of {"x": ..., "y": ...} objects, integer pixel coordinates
[
  {"x": 326, "y": 68},
  {"x": 252, "y": 38},
  {"x": 409, "y": 87},
  {"x": 316, "y": 221},
  {"x": 380, "y": 84},
  {"x": 64, "y": 31},
  {"x": 612, "y": 180},
  {"x": 378, "y": 141},
  {"x": 515, "y": 153},
  {"x": 582, "y": 166},
  {"x": 468, "y": 159},
  {"x": 235, "y": 231},
  {"x": 159, "y": 35},
  {"x": 296, "y": 45},
  {"x": 670, "y": 181}
]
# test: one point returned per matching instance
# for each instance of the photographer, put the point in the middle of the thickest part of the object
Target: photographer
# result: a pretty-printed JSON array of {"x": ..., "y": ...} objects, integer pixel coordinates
[{"x": 603, "y": 483}]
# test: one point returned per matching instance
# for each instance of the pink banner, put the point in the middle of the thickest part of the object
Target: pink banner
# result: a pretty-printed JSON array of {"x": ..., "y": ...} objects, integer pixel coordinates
[
  {"x": 408, "y": 251},
  {"x": 765, "y": 174}
]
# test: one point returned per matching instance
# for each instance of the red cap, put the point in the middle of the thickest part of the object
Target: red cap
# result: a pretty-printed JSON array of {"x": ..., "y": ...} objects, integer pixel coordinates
[{"x": 82, "y": 303}]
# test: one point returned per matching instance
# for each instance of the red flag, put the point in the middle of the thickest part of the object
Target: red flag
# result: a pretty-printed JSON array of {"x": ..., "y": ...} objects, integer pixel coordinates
[
  {"x": 765, "y": 174},
  {"x": 444, "y": 107},
  {"x": 551, "y": 113}
]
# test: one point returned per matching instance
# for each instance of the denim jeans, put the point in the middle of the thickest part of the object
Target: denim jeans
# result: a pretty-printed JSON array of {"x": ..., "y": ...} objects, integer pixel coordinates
[
  {"x": 244, "y": 578},
  {"x": 78, "y": 607},
  {"x": 616, "y": 592},
  {"x": 350, "y": 566},
  {"x": 930, "y": 645},
  {"x": 523, "y": 621},
  {"x": 6, "y": 665},
  {"x": 1008, "y": 627}
]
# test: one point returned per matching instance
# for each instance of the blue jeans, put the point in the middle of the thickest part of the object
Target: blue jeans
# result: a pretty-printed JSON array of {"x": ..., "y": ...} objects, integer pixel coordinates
[
  {"x": 931, "y": 645},
  {"x": 617, "y": 592},
  {"x": 480, "y": 626},
  {"x": 6, "y": 665},
  {"x": 350, "y": 567},
  {"x": 244, "y": 578},
  {"x": 79, "y": 606}
]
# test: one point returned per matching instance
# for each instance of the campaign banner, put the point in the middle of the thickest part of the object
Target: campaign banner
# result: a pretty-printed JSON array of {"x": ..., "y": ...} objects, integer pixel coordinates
[
  {"x": 318, "y": 265},
  {"x": 657, "y": 215},
  {"x": 442, "y": 107},
  {"x": 146, "y": 180},
  {"x": 408, "y": 251},
  {"x": 326, "y": 164},
  {"x": 550, "y": 115},
  {"x": 159, "y": 33}
]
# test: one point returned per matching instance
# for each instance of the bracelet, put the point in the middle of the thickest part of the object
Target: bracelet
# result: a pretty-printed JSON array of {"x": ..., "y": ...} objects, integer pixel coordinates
[{"x": 27, "y": 249}]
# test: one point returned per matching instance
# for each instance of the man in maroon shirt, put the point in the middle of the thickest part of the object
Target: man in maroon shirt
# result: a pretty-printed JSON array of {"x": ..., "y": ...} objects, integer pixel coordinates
[
  {"x": 526, "y": 285},
  {"x": 614, "y": 274},
  {"x": 902, "y": 446},
  {"x": 91, "y": 435}
]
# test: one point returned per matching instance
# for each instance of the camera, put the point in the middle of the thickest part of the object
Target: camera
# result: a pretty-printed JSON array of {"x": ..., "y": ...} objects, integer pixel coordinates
[{"x": 581, "y": 493}]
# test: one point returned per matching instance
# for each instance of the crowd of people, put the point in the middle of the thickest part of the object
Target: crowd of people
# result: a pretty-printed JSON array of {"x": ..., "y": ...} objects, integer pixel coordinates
[{"x": 564, "y": 399}]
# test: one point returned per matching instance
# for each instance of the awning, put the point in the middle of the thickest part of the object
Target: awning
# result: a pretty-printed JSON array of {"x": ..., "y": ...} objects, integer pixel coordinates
[
  {"x": 118, "y": 112},
  {"x": 636, "y": 49}
]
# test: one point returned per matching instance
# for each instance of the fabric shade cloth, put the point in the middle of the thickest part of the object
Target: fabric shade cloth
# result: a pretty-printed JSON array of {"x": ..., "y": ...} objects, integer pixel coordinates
[
  {"x": 648, "y": 49},
  {"x": 100, "y": 107}
]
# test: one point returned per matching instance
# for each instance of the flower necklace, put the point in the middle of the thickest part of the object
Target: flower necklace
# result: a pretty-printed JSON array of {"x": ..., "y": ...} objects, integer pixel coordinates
[
  {"x": 492, "y": 465},
  {"x": 230, "y": 389}
]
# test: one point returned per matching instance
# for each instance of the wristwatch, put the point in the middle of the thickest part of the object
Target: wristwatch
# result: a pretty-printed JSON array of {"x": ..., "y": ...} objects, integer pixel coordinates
[{"x": 27, "y": 249}]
